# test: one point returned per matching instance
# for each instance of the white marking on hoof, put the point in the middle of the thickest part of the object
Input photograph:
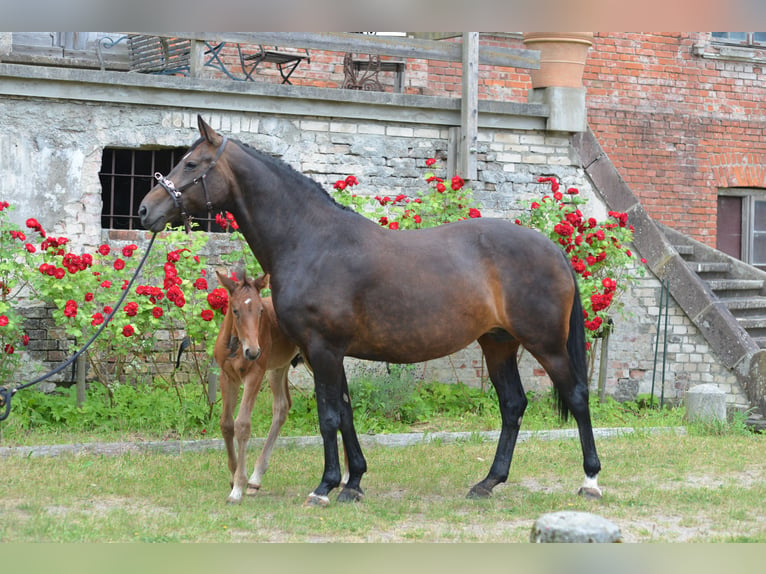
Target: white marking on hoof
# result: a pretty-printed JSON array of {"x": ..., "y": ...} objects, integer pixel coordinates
[
  {"x": 252, "y": 489},
  {"x": 590, "y": 488},
  {"x": 317, "y": 500}
]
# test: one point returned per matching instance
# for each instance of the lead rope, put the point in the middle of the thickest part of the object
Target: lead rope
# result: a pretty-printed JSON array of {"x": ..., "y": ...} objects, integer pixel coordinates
[{"x": 7, "y": 393}]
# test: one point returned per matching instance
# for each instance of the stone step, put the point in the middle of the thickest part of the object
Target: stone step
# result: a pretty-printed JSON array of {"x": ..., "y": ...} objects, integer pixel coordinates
[
  {"x": 684, "y": 250},
  {"x": 735, "y": 287},
  {"x": 752, "y": 323},
  {"x": 745, "y": 306},
  {"x": 709, "y": 266}
]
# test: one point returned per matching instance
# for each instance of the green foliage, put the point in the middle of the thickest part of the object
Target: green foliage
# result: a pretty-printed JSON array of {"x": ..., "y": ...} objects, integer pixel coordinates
[{"x": 443, "y": 201}]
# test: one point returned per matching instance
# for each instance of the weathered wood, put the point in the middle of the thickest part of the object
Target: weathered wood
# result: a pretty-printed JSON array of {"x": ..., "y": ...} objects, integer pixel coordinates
[
  {"x": 469, "y": 106},
  {"x": 395, "y": 46}
]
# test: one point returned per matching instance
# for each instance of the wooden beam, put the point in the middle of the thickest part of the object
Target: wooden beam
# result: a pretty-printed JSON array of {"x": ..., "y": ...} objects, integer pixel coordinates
[
  {"x": 395, "y": 46},
  {"x": 469, "y": 106}
]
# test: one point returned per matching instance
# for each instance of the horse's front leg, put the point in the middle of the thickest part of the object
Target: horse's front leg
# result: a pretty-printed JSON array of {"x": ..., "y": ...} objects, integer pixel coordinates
[
  {"x": 229, "y": 390},
  {"x": 279, "y": 410},
  {"x": 242, "y": 427},
  {"x": 329, "y": 386}
]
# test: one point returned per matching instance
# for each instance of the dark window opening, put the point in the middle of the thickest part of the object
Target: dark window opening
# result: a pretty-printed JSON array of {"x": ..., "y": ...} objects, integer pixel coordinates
[
  {"x": 126, "y": 177},
  {"x": 741, "y": 227}
]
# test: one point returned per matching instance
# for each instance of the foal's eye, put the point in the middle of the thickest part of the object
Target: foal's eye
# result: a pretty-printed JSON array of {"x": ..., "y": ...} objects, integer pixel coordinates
[{"x": 190, "y": 165}]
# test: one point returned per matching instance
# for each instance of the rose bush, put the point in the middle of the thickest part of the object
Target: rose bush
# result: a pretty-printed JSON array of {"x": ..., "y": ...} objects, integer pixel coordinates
[
  {"x": 443, "y": 201},
  {"x": 599, "y": 252}
]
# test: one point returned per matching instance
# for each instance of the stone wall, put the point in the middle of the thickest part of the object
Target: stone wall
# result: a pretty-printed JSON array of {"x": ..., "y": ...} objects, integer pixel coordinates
[{"x": 50, "y": 153}]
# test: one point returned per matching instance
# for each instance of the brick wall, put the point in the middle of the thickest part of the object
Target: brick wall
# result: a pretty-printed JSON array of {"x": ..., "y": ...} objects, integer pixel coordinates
[{"x": 677, "y": 125}]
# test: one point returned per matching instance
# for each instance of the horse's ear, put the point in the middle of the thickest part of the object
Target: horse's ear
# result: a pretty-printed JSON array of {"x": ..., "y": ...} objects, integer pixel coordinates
[
  {"x": 227, "y": 282},
  {"x": 207, "y": 132},
  {"x": 261, "y": 282}
]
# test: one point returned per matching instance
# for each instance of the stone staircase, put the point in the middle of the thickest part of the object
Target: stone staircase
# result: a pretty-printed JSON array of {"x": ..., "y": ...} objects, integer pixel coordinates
[
  {"x": 724, "y": 297},
  {"x": 740, "y": 287}
]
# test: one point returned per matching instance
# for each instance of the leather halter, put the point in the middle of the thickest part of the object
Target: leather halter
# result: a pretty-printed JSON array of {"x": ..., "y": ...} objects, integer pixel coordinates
[{"x": 177, "y": 196}]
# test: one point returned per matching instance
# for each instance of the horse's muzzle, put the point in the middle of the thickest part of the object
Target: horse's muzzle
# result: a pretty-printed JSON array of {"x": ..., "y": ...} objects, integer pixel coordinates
[{"x": 252, "y": 355}]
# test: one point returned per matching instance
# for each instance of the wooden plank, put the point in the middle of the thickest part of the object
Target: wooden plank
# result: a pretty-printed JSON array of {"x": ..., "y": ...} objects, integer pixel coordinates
[
  {"x": 395, "y": 46},
  {"x": 469, "y": 106}
]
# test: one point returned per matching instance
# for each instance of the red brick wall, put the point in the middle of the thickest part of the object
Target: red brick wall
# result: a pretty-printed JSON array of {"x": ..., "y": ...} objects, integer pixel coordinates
[{"x": 677, "y": 125}]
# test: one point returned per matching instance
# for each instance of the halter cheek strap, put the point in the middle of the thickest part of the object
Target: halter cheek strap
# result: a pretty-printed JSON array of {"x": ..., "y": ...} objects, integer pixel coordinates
[{"x": 176, "y": 195}]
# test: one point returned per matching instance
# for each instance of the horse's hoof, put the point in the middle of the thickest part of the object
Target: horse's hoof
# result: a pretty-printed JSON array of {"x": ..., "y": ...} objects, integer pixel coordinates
[
  {"x": 252, "y": 489},
  {"x": 350, "y": 495},
  {"x": 232, "y": 500},
  {"x": 478, "y": 493},
  {"x": 317, "y": 500},
  {"x": 590, "y": 493}
]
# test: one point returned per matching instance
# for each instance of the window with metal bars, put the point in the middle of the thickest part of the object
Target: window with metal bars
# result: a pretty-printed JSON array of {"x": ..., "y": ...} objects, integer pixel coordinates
[{"x": 126, "y": 177}]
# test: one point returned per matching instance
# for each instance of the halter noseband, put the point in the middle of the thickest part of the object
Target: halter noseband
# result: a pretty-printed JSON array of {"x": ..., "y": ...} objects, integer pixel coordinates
[{"x": 176, "y": 195}]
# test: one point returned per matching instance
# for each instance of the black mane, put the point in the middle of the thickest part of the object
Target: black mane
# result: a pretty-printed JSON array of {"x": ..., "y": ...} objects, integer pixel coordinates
[{"x": 286, "y": 170}]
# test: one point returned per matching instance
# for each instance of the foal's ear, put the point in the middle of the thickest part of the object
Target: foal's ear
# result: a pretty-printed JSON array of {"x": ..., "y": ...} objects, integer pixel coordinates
[
  {"x": 261, "y": 282},
  {"x": 207, "y": 132},
  {"x": 227, "y": 282}
]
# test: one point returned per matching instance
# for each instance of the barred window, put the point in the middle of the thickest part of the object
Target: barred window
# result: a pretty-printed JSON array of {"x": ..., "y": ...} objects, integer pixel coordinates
[{"x": 126, "y": 177}]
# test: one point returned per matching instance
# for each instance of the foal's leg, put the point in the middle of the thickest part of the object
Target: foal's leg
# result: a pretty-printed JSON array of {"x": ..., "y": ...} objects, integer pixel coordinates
[
  {"x": 279, "y": 410},
  {"x": 500, "y": 356},
  {"x": 229, "y": 391},
  {"x": 242, "y": 426}
]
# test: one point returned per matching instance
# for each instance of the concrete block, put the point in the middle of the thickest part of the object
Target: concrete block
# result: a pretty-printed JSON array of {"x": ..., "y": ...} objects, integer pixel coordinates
[
  {"x": 705, "y": 403},
  {"x": 571, "y": 526}
]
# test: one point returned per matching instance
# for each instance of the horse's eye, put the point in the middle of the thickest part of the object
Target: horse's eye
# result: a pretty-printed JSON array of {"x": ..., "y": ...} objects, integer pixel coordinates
[
  {"x": 236, "y": 312},
  {"x": 190, "y": 165}
]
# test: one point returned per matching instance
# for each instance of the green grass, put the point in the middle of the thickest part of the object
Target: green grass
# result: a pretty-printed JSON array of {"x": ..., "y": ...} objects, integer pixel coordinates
[
  {"x": 660, "y": 488},
  {"x": 395, "y": 404}
]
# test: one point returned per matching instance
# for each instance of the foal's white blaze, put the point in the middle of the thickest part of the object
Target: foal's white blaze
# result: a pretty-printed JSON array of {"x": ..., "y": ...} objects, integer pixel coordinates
[{"x": 247, "y": 301}]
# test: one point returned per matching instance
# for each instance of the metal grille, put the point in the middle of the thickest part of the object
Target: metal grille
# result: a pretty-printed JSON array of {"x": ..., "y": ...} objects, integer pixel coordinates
[{"x": 126, "y": 177}]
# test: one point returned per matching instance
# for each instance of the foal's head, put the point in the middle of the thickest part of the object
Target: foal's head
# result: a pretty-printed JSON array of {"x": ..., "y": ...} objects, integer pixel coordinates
[{"x": 246, "y": 308}]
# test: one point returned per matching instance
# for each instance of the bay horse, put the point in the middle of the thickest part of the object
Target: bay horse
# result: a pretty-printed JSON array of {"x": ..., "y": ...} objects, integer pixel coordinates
[
  {"x": 249, "y": 343},
  {"x": 342, "y": 285}
]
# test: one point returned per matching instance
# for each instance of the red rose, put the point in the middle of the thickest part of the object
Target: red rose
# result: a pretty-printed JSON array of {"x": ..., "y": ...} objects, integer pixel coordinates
[
  {"x": 119, "y": 264},
  {"x": 207, "y": 315},
  {"x": 106, "y": 284},
  {"x": 473, "y": 212},
  {"x": 340, "y": 185},
  {"x": 98, "y": 318},
  {"x": 29, "y": 247},
  {"x": 104, "y": 249},
  {"x": 430, "y": 161},
  {"x": 393, "y": 225},
  {"x": 89, "y": 296},
  {"x": 59, "y": 273},
  {"x": 131, "y": 309},
  {"x": 157, "y": 312},
  {"x": 416, "y": 218},
  {"x": 440, "y": 187},
  {"x": 457, "y": 183},
  {"x": 9, "y": 349},
  {"x": 4, "y": 320},
  {"x": 128, "y": 330},
  {"x": 25, "y": 340},
  {"x": 201, "y": 284}
]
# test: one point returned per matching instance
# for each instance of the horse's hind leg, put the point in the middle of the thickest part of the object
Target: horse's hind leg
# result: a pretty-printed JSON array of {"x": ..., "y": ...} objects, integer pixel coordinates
[
  {"x": 279, "y": 410},
  {"x": 573, "y": 394},
  {"x": 500, "y": 355}
]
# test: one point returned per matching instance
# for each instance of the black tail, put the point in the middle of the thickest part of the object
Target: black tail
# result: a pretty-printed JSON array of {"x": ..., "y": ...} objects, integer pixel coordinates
[{"x": 578, "y": 360}]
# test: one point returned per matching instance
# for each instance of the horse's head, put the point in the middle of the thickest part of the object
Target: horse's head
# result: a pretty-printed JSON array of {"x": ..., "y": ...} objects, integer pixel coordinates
[
  {"x": 193, "y": 187},
  {"x": 246, "y": 307}
]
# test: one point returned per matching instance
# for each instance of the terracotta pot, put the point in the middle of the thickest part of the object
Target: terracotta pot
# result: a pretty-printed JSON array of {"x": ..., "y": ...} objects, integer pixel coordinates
[{"x": 562, "y": 57}]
